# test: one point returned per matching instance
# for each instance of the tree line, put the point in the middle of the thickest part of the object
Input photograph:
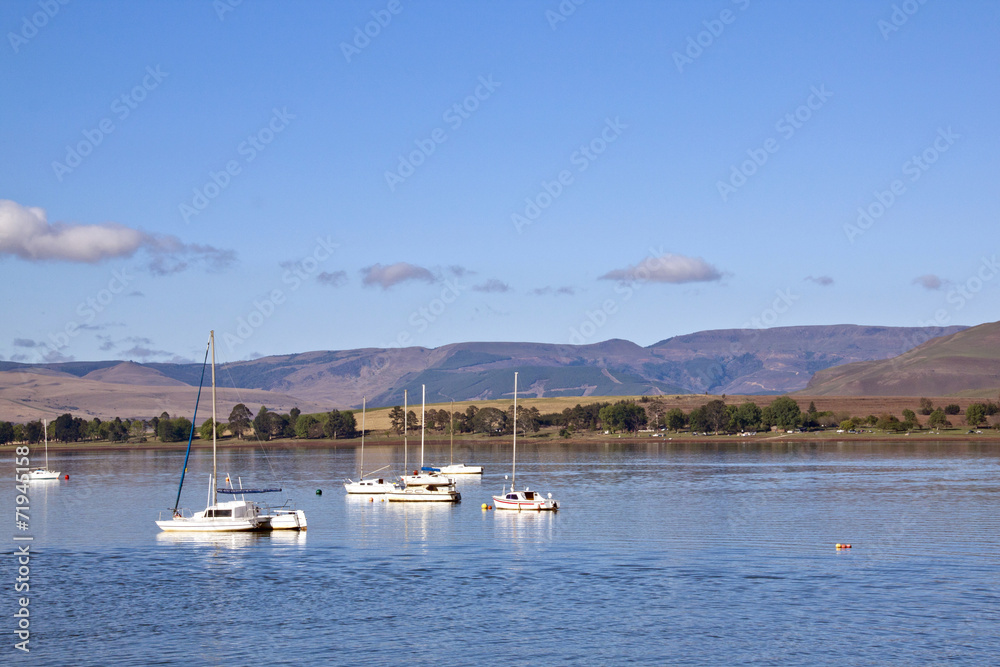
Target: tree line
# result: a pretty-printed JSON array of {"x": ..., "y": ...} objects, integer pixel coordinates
[{"x": 624, "y": 416}]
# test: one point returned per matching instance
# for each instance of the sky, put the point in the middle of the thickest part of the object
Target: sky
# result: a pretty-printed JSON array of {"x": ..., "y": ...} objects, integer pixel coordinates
[{"x": 323, "y": 176}]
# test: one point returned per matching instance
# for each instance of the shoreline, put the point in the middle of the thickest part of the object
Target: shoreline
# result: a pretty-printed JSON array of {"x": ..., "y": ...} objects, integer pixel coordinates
[{"x": 820, "y": 437}]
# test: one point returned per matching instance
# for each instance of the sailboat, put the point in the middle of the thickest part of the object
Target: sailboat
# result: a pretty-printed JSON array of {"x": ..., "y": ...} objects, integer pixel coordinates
[
  {"x": 526, "y": 499},
  {"x": 39, "y": 474},
  {"x": 372, "y": 485},
  {"x": 231, "y": 515},
  {"x": 425, "y": 485},
  {"x": 457, "y": 468}
]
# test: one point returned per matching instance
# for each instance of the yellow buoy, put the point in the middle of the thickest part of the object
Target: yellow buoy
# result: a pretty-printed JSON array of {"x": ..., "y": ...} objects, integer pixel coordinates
[{"x": 485, "y": 506}]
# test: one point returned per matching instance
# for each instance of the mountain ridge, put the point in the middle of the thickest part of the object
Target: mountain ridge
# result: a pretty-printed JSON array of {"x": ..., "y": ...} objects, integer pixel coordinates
[{"x": 723, "y": 361}]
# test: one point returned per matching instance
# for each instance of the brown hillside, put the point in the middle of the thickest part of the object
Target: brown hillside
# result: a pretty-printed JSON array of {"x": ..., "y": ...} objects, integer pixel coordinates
[
  {"x": 967, "y": 362},
  {"x": 129, "y": 372},
  {"x": 25, "y": 396}
]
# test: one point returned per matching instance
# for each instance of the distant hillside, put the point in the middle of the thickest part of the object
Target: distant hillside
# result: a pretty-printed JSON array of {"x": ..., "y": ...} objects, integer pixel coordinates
[
  {"x": 965, "y": 362},
  {"x": 731, "y": 361},
  {"x": 129, "y": 372},
  {"x": 28, "y": 394},
  {"x": 779, "y": 360}
]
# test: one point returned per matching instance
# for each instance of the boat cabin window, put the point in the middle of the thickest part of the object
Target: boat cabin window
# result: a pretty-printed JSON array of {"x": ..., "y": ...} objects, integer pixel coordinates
[
  {"x": 511, "y": 496},
  {"x": 218, "y": 513},
  {"x": 529, "y": 495}
]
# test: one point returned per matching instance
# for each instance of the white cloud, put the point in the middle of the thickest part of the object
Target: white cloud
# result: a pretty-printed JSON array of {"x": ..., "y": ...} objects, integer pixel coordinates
[
  {"x": 387, "y": 276},
  {"x": 667, "y": 268},
  {"x": 928, "y": 281},
  {"x": 25, "y": 232}
]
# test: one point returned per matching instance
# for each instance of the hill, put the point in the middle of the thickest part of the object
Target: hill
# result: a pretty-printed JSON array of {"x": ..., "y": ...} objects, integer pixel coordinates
[
  {"x": 730, "y": 361},
  {"x": 32, "y": 394},
  {"x": 129, "y": 372},
  {"x": 967, "y": 362}
]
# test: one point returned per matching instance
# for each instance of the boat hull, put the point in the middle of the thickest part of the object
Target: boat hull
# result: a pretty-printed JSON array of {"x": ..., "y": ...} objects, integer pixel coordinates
[
  {"x": 189, "y": 525},
  {"x": 461, "y": 469},
  {"x": 370, "y": 487},
  {"x": 426, "y": 479},
  {"x": 39, "y": 474},
  {"x": 286, "y": 520},
  {"x": 421, "y": 495}
]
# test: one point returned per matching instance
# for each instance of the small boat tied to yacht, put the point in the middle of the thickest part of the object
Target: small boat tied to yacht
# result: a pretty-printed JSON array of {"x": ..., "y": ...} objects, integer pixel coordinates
[
  {"x": 227, "y": 516},
  {"x": 526, "y": 499}
]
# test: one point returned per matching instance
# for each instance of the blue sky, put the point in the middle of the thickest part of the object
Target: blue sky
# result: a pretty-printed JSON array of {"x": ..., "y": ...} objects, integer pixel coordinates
[{"x": 522, "y": 171}]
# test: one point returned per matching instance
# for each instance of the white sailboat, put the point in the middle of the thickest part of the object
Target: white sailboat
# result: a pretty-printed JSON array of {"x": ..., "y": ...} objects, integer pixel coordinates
[
  {"x": 39, "y": 474},
  {"x": 526, "y": 499},
  {"x": 457, "y": 468},
  {"x": 232, "y": 515},
  {"x": 425, "y": 485},
  {"x": 372, "y": 485}
]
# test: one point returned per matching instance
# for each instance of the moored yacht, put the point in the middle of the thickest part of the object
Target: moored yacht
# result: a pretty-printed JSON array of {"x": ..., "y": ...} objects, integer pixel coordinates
[
  {"x": 526, "y": 499},
  {"x": 426, "y": 484}
]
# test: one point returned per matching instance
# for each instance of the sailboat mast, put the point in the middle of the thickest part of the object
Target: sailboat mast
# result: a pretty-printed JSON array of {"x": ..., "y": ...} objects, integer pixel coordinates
[
  {"x": 406, "y": 465},
  {"x": 423, "y": 397},
  {"x": 45, "y": 429},
  {"x": 513, "y": 471},
  {"x": 215, "y": 486},
  {"x": 363, "y": 437},
  {"x": 451, "y": 461}
]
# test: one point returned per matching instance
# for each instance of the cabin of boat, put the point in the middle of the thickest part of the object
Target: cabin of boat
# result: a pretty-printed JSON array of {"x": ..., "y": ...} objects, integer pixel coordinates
[{"x": 370, "y": 486}]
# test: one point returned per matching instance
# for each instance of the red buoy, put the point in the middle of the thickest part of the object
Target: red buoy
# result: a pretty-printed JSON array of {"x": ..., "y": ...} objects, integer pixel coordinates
[{"x": 67, "y": 476}]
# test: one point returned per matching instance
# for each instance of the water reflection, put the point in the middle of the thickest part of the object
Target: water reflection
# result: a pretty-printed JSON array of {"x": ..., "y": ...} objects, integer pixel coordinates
[
  {"x": 524, "y": 526},
  {"x": 217, "y": 540}
]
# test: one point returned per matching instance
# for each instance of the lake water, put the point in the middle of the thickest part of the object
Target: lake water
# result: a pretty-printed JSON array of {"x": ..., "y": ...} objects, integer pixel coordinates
[{"x": 662, "y": 554}]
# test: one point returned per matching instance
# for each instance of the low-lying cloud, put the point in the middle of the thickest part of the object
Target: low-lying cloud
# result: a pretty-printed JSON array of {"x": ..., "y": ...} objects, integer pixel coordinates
[
  {"x": 492, "y": 285},
  {"x": 393, "y": 274},
  {"x": 25, "y": 232},
  {"x": 332, "y": 278},
  {"x": 667, "y": 268},
  {"x": 928, "y": 281}
]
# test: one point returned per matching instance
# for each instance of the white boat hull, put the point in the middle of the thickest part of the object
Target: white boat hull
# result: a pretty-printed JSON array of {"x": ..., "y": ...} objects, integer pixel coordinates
[
  {"x": 190, "y": 525},
  {"x": 424, "y": 495},
  {"x": 370, "y": 486},
  {"x": 461, "y": 469},
  {"x": 427, "y": 479},
  {"x": 286, "y": 520},
  {"x": 40, "y": 474}
]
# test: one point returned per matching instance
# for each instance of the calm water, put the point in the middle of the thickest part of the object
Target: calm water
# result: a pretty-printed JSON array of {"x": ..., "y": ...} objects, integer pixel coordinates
[{"x": 717, "y": 554}]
